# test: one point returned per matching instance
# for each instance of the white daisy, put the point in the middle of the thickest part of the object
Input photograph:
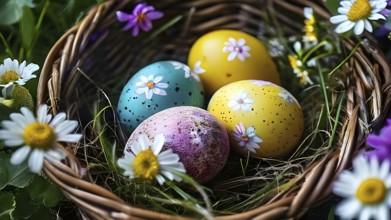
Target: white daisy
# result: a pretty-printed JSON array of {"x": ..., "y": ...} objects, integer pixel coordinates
[
  {"x": 246, "y": 137},
  {"x": 151, "y": 85},
  {"x": 241, "y": 101},
  {"x": 287, "y": 97},
  {"x": 237, "y": 49},
  {"x": 147, "y": 161},
  {"x": 38, "y": 136},
  {"x": 11, "y": 72},
  {"x": 189, "y": 72},
  {"x": 366, "y": 190},
  {"x": 357, "y": 14}
]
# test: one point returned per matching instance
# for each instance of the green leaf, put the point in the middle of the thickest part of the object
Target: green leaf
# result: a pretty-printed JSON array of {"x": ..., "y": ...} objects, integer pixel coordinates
[
  {"x": 12, "y": 10},
  {"x": 332, "y": 5},
  {"x": 27, "y": 28},
  {"x": 7, "y": 205},
  {"x": 24, "y": 207},
  {"x": 42, "y": 213},
  {"x": 42, "y": 191},
  {"x": 13, "y": 175},
  {"x": 331, "y": 214}
]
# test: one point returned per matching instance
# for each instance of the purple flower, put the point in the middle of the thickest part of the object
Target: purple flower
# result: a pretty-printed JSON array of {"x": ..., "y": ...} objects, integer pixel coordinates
[
  {"x": 246, "y": 137},
  {"x": 141, "y": 17},
  {"x": 381, "y": 143}
]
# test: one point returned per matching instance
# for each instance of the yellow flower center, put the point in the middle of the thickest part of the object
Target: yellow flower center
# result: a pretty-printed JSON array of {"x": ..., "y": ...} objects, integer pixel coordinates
[
  {"x": 8, "y": 77},
  {"x": 150, "y": 84},
  {"x": 360, "y": 9},
  {"x": 371, "y": 191},
  {"x": 39, "y": 135},
  {"x": 146, "y": 165}
]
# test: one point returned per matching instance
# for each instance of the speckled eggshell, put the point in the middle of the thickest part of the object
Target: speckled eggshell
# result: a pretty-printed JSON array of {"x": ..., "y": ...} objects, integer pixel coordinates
[
  {"x": 260, "y": 117},
  {"x": 198, "y": 138},
  {"x": 175, "y": 85}
]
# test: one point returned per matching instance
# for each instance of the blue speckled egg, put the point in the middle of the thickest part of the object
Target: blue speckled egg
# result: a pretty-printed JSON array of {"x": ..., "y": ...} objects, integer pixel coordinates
[{"x": 156, "y": 87}]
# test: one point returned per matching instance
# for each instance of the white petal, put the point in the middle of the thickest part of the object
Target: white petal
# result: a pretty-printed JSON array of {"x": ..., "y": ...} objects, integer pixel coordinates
[
  {"x": 41, "y": 114},
  {"x": 144, "y": 79},
  {"x": 375, "y": 17},
  {"x": 140, "y": 84},
  {"x": 144, "y": 142},
  {"x": 29, "y": 116},
  {"x": 344, "y": 27},
  {"x": 20, "y": 120},
  {"x": 241, "y": 42},
  {"x": 232, "y": 55},
  {"x": 36, "y": 161},
  {"x": 342, "y": 10},
  {"x": 159, "y": 91},
  {"x": 149, "y": 94},
  {"x": 66, "y": 127},
  {"x": 232, "y": 41},
  {"x": 54, "y": 156},
  {"x": 338, "y": 19},
  {"x": 58, "y": 119},
  {"x": 384, "y": 169},
  {"x": 161, "y": 85},
  {"x": 158, "y": 143},
  {"x": 168, "y": 157},
  {"x": 167, "y": 174},
  {"x": 348, "y": 208},
  {"x": 157, "y": 79},
  {"x": 365, "y": 213},
  {"x": 160, "y": 179},
  {"x": 14, "y": 142},
  {"x": 368, "y": 26},
  {"x": 13, "y": 125},
  {"x": 346, "y": 4},
  {"x": 383, "y": 212},
  {"x": 143, "y": 90},
  {"x": 20, "y": 155},
  {"x": 71, "y": 138},
  {"x": 359, "y": 27}
]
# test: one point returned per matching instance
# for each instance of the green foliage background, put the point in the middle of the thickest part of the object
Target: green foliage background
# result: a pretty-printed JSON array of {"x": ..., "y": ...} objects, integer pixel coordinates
[{"x": 28, "y": 29}]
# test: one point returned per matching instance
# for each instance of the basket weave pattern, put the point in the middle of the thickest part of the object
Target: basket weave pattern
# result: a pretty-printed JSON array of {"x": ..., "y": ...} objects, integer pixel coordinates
[{"x": 99, "y": 47}]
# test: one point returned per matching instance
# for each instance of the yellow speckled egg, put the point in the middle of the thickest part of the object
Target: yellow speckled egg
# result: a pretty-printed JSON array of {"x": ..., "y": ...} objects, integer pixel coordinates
[
  {"x": 260, "y": 117},
  {"x": 224, "y": 56}
]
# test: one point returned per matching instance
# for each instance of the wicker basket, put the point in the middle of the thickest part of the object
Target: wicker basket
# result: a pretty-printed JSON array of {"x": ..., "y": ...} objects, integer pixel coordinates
[{"x": 99, "y": 47}]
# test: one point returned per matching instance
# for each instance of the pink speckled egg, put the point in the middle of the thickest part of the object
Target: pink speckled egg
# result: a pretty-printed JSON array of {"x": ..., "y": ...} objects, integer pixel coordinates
[{"x": 201, "y": 142}]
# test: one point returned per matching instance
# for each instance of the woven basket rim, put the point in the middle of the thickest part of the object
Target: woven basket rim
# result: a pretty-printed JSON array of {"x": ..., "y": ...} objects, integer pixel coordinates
[{"x": 312, "y": 186}]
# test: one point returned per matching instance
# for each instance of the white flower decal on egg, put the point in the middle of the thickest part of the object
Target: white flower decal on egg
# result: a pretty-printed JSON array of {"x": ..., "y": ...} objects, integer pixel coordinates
[
  {"x": 246, "y": 137},
  {"x": 236, "y": 48},
  {"x": 190, "y": 72},
  {"x": 241, "y": 101},
  {"x": 151, "y": 85},
  {"x": 261, "y": 83},
  {"x": 287, "y": 97}
]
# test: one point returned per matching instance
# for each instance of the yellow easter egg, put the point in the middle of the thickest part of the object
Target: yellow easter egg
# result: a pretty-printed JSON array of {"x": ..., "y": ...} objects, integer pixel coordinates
[
  {"x": 224, "y": 56},
  {"x": 261, "y": 118}
]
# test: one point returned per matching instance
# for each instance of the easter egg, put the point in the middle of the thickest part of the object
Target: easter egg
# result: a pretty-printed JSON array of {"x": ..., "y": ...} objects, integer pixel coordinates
[
  {"x": 198, "y": 138},
  {"x": 261, "y": 118},
  {"x": 156, "y": 87},
  {"x": 224, "y": 56}
]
